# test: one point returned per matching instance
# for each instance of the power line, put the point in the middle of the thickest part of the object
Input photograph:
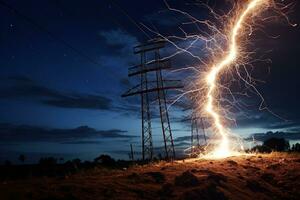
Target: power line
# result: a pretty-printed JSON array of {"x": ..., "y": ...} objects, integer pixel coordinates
[{"x": 130, "y": 18}]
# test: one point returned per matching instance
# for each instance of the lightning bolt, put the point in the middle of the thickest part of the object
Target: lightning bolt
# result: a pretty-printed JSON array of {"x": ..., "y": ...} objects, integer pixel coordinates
[
  {"x": 214, "y": 74},
  {"x": 205, "y": 91}
]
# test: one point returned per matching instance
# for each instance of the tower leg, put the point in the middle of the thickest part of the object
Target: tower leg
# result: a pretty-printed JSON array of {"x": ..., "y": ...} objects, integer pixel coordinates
[
  {"x": 147, "y": 148},
  {"x": 164, "y": 116}
]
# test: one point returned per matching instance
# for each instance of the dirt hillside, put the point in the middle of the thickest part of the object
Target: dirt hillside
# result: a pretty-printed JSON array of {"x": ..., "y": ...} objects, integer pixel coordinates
[{"x": 273, "y": 176}]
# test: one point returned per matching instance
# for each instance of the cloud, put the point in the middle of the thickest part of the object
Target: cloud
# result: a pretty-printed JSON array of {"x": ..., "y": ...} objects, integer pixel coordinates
[
  {"x": 164, "y": 19},
  {"x": 125, "y": 152},
  {"x": 81, "y": 101},
  {"x": 83, "y": 142},
  {"x": 23, "y": 87},
  {"x": 183, "y": 138},
  {"x": 119, "y": 50},
  {"x": 120, "y": 39},
  {"x": 183, "y": 144},
  {"x": 260, "y": 119},
  {"x": 187, "y": 138},
  {"x": 284, "y": 125},
  {"x": 10, "y": 132},
  {"x": 278, "y": 134}
]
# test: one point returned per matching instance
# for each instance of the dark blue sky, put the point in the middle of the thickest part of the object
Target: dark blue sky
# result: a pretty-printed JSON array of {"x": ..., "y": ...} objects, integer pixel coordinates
[{"x": 64, "y": 65}]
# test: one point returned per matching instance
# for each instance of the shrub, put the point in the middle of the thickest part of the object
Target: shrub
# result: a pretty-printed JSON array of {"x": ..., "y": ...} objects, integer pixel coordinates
[{"x": 105, "y": 160}]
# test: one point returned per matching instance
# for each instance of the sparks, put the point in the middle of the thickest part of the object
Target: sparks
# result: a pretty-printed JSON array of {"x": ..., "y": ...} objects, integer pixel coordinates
[
  {"x": 206, "y": 91},
  {"x": 223, "y": 149}
]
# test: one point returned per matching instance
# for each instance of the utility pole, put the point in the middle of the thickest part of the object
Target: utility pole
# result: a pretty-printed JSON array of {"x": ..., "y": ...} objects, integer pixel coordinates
[
  {"x": 159, "y": 86},
  {"x": 131, "y": 153}
]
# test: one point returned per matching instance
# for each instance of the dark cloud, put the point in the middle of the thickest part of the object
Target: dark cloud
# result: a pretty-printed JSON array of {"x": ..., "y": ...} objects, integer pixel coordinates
[
  {"x": 83, "y": 142},
  {"x": 128, "y": 110},
  {"x": 283, "y": 125},
  {"x": 118, "y": 37},
  {"x": 22, "y": 87},
  {"x": 294, "y": 129},
  {"x": 10, "y": 132},
  {"x": 81, "y": 101},
  {"x": 270, "y": 134},
  {"x": 187, "y": 138},
  {"x": 183, "y": 144},
  {"x": 255, "y": 119},
  {"x": 126, "y": 83},
  {"x": 266, "y": 120},
  {"x": 166, "y": 18},
  {"x": 125, "y": 152},
  {"x": 183, "y": 138}
]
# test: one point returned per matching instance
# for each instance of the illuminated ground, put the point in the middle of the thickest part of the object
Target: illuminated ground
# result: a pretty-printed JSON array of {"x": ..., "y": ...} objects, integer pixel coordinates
[{"x": 274, "y": 176}]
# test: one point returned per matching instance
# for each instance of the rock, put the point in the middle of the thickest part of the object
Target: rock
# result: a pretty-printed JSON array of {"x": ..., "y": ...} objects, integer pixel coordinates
[
  {"x": 240, "y": 177},
  {"x": 281, "y": 184},
  {"x": 282, "y": 160},
  {"x": 268, "y": 177},
  {"x": 133, "y": 176},
  {"x": 166, "y": 191},
  {"x": 216, "y": 177},
  {"x": 274, "y": 166},
  {"x": 186, "y": 179},
  {"x": 109, "y": 192},
  {"x": 207, "y": 192},
  {"x": 254, "y": 186},
  {"x": 231, "y": 162},
  {"x": 157, "y": 176},
  {"x": 213, "y": 176},
  {"x": 250, "y": 167},
  {"x": 148, "y": 177}
]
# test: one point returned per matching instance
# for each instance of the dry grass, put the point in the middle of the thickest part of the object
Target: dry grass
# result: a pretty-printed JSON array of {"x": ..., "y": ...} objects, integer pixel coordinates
[{"x": 269, "y": 176}]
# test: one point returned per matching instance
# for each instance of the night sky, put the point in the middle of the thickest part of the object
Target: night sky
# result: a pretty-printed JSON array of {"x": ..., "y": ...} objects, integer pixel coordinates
[{"x": 64, "y": 67}]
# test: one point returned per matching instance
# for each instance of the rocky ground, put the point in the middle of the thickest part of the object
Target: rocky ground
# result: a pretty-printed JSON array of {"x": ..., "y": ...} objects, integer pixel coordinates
[{"x": 269, "y": 176}]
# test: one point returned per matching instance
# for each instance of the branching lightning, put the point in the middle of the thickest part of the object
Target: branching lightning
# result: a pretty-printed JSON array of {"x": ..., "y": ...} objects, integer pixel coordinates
[
  {"x": 223, "y": 149},
  {"x": 226, "y": 47}
]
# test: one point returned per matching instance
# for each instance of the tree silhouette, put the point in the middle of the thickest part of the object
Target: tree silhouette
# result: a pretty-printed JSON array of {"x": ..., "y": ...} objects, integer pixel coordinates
[
  {"x": 105, "y": 160},
  {"x": 7, "y": 163},
  {"x": 61, "y": 160},
  {"x": 296, "y": 147},
  {"x": 277, "y": 144},
  {"x": 261, "y": 149},
  {"x": 22, "y": 158},
  {"x": 48, "y": 161}
]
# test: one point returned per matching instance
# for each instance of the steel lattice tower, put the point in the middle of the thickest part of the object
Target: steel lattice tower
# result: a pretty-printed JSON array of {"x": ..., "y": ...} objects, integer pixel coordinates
[
  {"x": 195, "y": 135},
  {"x": 147, "y": 146},
  {"x": 145, "y": 87},
  {"x": 195, "y": 143},
  {"x": 164, "y": 115}
]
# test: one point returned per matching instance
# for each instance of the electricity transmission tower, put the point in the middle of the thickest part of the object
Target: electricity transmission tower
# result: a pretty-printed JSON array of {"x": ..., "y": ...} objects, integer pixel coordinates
[
  {"x": 152, "y": 63},
  {"x": 195, "y": 135}
]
